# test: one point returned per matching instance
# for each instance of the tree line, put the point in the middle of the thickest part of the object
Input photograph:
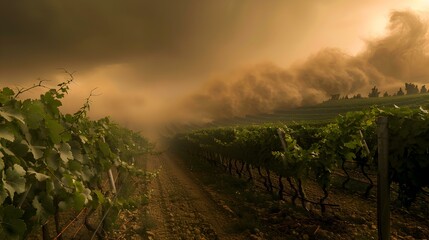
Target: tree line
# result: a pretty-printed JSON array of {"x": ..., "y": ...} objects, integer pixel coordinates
[{"x": 410, "y": 88}]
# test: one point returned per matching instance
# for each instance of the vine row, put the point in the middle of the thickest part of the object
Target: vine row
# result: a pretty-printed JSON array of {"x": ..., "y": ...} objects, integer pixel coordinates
[
  {"x": 52, "y": 162},
  {"x": 301, "y": 152}
]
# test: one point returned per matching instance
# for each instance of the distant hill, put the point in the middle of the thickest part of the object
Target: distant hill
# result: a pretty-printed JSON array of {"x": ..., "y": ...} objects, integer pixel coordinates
[{"x": 327, "y": 111}]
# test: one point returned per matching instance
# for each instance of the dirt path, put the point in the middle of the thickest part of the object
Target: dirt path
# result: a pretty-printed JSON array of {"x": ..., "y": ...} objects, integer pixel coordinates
[{"x": 181, "y": 208}]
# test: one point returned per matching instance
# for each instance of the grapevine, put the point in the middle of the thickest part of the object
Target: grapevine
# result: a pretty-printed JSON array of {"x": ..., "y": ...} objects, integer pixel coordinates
[
  {"x": 52, "y": 162},
  {"x": 301, "y": 152}
]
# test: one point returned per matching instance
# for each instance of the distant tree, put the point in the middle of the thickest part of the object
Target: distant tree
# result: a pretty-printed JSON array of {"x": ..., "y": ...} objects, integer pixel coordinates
[
  {"x": 357, "y": 96},
  {"x": 346, "y": 97},
  {"x": 423, "y": 89},
  {"x": 385, "y": 94},
  {"x": 335, "y": 97},
  {"x": 374, "y": 92},
  {"x": 411, "y": 88},
  {"x": 400, "y": 92}
]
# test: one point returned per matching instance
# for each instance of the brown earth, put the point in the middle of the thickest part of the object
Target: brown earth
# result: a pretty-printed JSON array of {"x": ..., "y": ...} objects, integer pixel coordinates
[
  {"x": 190, "y": 199},
  {"x": 182, "y": 208},
  {"x": 183, "y": 205}
]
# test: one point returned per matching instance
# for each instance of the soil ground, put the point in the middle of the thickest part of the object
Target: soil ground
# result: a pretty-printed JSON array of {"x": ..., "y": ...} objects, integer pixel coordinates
[
  {"x": 191, "y": 199},
  {"x": 182, "y": 208}
]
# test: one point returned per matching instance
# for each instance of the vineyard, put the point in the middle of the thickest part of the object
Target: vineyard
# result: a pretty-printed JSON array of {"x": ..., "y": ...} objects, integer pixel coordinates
[
  {"x": 288, "y": 159},
  {"x": 57, "y": 166},
  {"x": 51, "y": 163}
]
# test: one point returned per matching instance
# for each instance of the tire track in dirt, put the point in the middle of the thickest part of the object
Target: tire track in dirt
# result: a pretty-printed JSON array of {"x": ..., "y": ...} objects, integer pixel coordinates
[{"x": 181, "y": 208}]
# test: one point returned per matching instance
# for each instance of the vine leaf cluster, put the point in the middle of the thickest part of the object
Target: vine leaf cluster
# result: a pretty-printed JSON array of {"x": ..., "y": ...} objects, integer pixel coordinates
[
  {"x": 52, "y": 162},
  {"x": 302, "y": 152}
]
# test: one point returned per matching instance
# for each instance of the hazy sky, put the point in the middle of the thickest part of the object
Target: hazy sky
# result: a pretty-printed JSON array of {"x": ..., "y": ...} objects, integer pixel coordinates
[{"x": 146, "y": 57}]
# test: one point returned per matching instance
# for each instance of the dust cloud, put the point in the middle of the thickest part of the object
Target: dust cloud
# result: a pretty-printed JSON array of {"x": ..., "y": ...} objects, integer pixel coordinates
[
  {"x": 191, "y": 61},
  {"x": 387, "y": 62}
]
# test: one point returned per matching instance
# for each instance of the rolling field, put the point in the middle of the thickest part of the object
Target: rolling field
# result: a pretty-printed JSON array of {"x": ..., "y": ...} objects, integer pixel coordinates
[{"x": 326, "y": 111}]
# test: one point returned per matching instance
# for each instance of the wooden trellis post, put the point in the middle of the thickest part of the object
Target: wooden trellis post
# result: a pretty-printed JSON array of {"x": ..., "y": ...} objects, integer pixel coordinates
[{"x": 383, "y": 188}]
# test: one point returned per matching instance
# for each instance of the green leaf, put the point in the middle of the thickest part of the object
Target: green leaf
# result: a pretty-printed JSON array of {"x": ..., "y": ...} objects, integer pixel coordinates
[
  {"x": 3, "y": 194},
  {"x": 26, "y": 132},
  {"x": 349, "y": 156},
  {"x": 77, "y": 154},
  {"x": 7, "y": 134},
  {"x": 104, "y": 148},
  {"x": 352, "y": 144},
  {"x": 68, "y": 181},
  {"x": 52, "y": 159},
  {"x": 1, "y": 162},
  {"x": 12, "y": 227},
  {"x": 36, "y": 151},
  {"x": 19, "y": 169},
  {"x": 100, "y": 196},
  {"x": 74, "y": 165},
  {"x": 79, "y": 200},
  {"x": 7, "y": 151},
  {"x": 20, "y": 149},
  {"x": 50, "y": 186},
  {"x": 9, "y": 115},
  {"x": 54, "y": 129},
  {"x": 34, "y": 113},
  {"x": 64, "y": 150},
  {"x": 51, "y": 103},
  {"x": 87, "y": 174},
  {"x": 66, "y": 136},
  {"x": 6, "y": 95},
  {"x": 41, "y": 213},
  {"x": 76, "y": 201},
  {"x": 39, "y": 176},
  {"x": 14, "y": 181}
]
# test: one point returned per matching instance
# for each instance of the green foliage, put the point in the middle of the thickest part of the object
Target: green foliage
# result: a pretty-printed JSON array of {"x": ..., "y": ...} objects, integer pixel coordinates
[
  {"x": 11, "y": 224},
  {"x": 316, "y": 150},
  {"x": 52, "y": 161},
  {"x": 408, "y": 151}
]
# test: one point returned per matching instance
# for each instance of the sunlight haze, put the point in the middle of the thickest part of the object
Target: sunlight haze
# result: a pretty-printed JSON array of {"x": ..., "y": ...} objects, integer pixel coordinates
[{"x": 153, "y": 62}]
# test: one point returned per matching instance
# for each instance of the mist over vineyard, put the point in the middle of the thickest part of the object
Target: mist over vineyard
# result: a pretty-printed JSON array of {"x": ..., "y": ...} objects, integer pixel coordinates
[
  {"x": 224, "y": 119},
  {"x": 258, "y": 59}
]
